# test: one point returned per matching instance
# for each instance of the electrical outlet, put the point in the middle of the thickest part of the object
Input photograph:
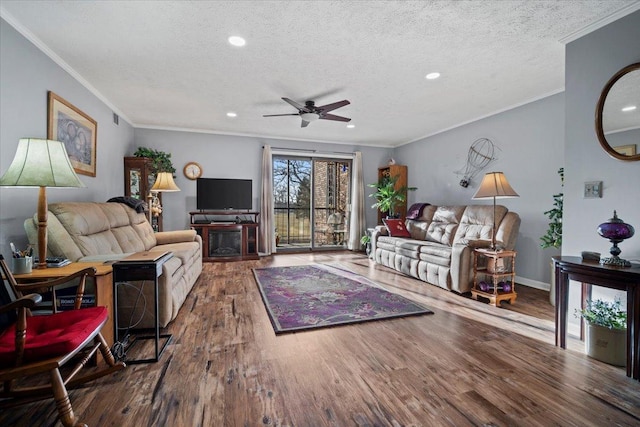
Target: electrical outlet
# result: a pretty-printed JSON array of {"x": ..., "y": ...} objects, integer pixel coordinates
[{"x": 593, "y": 190}]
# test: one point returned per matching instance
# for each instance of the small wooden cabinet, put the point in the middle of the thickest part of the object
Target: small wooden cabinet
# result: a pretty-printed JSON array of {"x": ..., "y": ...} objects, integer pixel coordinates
[
  {"x": 227, "y": 235},
  {"x": 494, "y": 274},
  {"x": 138, "y": 180},
  {"x": 401, "y": 172}
]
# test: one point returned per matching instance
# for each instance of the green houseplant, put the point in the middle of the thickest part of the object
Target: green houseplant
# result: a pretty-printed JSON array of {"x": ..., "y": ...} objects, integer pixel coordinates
[
  {"x": 161, "y": 160},
  {"x": 387, "y": 196},
  {"x": 606, "y": 336},
  {"x": 366, "y": 242},
  {"x": 553, "y": 237}
]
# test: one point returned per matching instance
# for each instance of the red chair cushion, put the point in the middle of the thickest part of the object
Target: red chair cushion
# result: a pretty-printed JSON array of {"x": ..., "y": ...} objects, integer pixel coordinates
[{"x": 52, "y": 335}]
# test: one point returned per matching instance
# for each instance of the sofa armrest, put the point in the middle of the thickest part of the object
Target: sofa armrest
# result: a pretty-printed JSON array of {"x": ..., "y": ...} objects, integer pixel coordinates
[
  {"x": 379, "y": 230},
  {"x": 177, "y": 236}
]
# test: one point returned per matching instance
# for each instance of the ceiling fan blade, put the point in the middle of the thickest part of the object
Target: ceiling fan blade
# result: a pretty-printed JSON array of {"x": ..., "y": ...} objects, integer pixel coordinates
[
  {"x": 276, "y": 115},
  {"x": 331, "y": 107},
  {"x": 305, "y": 124},
  {"x": 295, "y": 104},
  {"x": 334, "y": 117}
]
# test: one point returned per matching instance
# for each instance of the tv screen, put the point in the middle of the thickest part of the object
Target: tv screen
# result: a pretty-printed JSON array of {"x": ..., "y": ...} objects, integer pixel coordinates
[{"x": 224, "y": 194}]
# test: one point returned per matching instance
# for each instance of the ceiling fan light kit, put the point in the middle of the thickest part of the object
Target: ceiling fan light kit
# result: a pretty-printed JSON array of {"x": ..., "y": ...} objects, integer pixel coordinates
[
  {"x": 310, "y": 117},
  {"x": 309, "y": 112}
]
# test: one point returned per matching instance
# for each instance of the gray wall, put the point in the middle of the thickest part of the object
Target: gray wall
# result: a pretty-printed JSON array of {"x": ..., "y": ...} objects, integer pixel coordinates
[
  {"x": 531, "y": 150},
  {"x": 26, "y": 74},
  {"x": 223, "y": 156},
  {"x": 590, "y": 63}
]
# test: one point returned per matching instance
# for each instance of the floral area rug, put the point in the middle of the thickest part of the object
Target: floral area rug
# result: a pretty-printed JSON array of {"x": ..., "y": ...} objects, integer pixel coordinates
[{"x": 314, "y": 296}]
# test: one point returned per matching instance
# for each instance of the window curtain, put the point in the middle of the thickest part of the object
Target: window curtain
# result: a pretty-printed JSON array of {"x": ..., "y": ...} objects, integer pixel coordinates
[
  {"x": 267, "y": 236},
  {"x": 357, "y": 222}
]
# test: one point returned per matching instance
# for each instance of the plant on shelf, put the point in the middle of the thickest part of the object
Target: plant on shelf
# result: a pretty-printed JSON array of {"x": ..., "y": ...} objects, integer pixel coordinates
[
  {"x": 553, "y": 237},
  {"x": 387, "y": 196},
  {"x": 606, "y": 314},
  {"x": 161, "y": 160}
]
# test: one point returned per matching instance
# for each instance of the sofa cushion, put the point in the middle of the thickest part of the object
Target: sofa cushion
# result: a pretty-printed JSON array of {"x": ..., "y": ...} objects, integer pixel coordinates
[
  {"x": 417, "y": 229},
  {"x": 441, "y": 232},
  {"x": 444, "y": 225},
  {"x": 396, "y": 227},
  {"x": 477, "y": 223},
  {"x": 386, "y": 242}
]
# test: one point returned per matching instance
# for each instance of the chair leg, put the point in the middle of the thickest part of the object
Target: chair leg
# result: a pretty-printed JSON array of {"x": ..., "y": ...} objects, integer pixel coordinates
[
  {"x": 105, "y": 351},
  {"x": 65, "y": 411}
]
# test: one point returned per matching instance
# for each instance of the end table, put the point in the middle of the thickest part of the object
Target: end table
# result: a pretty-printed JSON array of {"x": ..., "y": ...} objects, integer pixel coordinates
[{"x": 494, "y": 277}]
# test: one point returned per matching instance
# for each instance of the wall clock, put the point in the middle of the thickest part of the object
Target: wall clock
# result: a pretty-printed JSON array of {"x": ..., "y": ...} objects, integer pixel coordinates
[{"x": 192, "y": 170}]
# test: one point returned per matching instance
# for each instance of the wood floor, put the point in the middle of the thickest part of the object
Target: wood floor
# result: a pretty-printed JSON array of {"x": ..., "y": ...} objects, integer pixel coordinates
[{"x": 469, "y": 364}]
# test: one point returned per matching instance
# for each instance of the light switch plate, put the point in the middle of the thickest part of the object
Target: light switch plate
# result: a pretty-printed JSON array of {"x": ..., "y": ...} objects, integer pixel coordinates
[{"x": 593, "y": 190}]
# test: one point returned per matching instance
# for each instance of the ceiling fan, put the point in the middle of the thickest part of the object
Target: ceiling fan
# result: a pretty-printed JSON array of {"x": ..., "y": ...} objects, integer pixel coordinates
[{"x": 309, "y": 112}]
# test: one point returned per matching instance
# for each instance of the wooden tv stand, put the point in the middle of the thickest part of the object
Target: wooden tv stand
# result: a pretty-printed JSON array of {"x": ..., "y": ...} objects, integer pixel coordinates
[{"x": 227, "y": 235}]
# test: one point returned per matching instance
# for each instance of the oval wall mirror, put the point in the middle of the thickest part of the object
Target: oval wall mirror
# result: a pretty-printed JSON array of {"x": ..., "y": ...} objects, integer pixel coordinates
[{"x": 618, "y": 114}]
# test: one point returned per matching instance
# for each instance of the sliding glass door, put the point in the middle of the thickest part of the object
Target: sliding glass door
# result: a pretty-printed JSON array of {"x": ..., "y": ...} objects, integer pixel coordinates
[{"x": 310, "y": 202}]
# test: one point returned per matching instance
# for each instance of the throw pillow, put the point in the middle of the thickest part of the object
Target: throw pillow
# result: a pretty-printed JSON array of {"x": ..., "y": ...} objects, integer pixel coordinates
[{"x": 396, "y": 227}]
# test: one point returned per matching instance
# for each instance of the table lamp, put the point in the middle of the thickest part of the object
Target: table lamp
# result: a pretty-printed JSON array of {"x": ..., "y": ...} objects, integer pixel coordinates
[
  {"x": 494, "y": 185},
  {"x": 41, "y": 163},
  {"x": 164, "y": 183}
]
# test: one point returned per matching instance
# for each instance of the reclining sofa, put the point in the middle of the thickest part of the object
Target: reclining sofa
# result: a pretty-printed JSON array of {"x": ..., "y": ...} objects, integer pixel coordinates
[
  {"x": 91, "y": 231},
  {"x": 440, "y": 248}
]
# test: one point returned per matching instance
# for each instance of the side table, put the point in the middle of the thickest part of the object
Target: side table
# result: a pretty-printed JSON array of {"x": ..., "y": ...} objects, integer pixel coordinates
[
  {"x": 103, "y": 286},
  {"x": 500, "y": 266},
  {"x": 623, "y": 279},
  {"x": 142, "y": 266}
]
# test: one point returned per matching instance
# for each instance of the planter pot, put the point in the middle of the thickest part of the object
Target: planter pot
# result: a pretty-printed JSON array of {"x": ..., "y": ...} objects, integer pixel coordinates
[{"x": 606, "y": 345}]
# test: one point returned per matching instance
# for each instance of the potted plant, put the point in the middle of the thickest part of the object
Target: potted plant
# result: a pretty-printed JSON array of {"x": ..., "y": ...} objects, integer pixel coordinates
[
  {"x": 387, "y": 196},
  {"x": 606, "y": 333},
  {"x": 366, "y": 242},
  {"x": 161, "y": 160},
  {"x": 553, "y": 236}
]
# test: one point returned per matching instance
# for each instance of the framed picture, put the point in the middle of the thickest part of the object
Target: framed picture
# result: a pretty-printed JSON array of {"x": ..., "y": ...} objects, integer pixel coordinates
[
  {"x": 76, "y": 130},
  {"x": 627, "y": 150}
]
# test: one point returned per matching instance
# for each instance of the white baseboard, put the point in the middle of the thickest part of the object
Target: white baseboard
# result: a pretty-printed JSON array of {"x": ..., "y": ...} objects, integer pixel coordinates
[{"x": 533, "y": 283}]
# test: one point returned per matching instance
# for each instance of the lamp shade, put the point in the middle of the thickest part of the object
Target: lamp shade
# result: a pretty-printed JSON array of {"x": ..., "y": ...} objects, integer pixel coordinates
[
  {"x": 495, "y": 184},
  {"x": 164, "y": 183},
  {"x": 40, "y": 163}
]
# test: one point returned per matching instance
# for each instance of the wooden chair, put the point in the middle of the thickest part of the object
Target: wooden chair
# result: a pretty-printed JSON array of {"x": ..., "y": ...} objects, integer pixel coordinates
[{"x": 32, "y": 345}]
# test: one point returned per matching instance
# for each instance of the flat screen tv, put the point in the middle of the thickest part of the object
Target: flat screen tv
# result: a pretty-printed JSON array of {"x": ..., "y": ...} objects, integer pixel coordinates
[{"x": 215, "y": 194}]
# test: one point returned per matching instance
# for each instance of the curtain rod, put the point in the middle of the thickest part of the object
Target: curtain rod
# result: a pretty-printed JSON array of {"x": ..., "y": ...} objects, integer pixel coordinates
[{"x": 311, "y": 152}]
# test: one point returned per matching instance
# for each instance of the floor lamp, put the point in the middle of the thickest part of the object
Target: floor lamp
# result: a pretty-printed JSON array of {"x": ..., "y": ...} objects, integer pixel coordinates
[
  {"x": 494, "y": 185},
  {"x": 164, "y": 183},
  {"x": 41, "y": 163}
]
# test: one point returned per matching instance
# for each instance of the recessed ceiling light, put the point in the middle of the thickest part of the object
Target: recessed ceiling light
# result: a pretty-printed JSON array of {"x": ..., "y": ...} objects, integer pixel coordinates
[
  {"x": 237, "y": 41},
  {"x": 432, "y": 76},
  {"x": 231, "y": 114},
  {"x": 350, "y": 126},
  {"x": 629, "y": 108}
]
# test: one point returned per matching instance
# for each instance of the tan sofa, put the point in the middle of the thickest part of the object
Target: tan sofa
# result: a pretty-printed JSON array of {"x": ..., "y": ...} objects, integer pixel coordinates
[
  {"x": 92, "y": 231},
  {"x": 440, "y": 249}
]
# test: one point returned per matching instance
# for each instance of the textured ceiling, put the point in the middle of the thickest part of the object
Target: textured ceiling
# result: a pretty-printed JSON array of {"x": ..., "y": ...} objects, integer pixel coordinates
[{"x": 168, "y": 64}]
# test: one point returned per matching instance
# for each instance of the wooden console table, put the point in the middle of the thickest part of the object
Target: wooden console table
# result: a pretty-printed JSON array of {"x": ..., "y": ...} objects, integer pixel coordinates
[
  {"x": 227, "y": 235},
  {"x": 103, "y": 285},
  {"x": 623, "y": 279}
]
